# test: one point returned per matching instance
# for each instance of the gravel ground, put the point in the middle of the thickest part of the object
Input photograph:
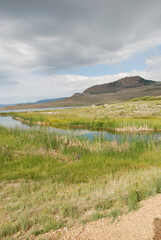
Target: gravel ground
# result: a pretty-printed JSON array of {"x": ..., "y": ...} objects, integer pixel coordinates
[{"x": 143, "y": 224}]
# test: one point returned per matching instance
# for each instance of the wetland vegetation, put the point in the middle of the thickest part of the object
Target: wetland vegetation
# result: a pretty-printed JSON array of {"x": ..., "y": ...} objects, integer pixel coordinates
[
  {"x": 141, "y": 114},
  {"x": 49, "y": 181}
]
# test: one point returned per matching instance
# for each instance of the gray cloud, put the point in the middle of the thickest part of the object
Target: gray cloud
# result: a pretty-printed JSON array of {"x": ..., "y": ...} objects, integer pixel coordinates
[
  {"x": 6, "y": 80},
  {"x": 68, "y": 33},
  {"x": 51, "y": 35}
]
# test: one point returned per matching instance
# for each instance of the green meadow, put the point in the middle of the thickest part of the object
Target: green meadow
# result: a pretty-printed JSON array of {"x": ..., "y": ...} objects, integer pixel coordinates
[
  {"x": 49, "y": 181},
  {"x": 140, "y": 114}
]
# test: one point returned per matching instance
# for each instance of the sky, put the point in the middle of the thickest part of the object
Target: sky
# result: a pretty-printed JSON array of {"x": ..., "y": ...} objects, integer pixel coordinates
[{"x": 55, "y": 48}]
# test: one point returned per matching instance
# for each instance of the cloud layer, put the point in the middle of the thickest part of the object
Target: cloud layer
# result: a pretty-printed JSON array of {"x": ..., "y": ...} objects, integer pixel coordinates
[{"x": 39, "y": 38}]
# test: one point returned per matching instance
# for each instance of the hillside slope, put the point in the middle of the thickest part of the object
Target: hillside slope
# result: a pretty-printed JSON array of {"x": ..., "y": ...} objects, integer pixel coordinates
[
  {"x": 127, "y": 82},
  {"x": 129, "y": 88}
]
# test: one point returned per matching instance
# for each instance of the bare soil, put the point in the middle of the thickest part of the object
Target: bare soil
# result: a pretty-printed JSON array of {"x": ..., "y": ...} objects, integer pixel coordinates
[{"x": 142, "y": 224}]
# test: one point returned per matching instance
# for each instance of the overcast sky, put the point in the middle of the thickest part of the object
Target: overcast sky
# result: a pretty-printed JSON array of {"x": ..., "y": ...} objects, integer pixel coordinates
[{"x": 54, "y": 48}]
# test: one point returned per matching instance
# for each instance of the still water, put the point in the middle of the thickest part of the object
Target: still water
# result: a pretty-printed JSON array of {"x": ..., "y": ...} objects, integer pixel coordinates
[
  {"x": 9, "y": 122},
  {"x": 37, "y": 109}
]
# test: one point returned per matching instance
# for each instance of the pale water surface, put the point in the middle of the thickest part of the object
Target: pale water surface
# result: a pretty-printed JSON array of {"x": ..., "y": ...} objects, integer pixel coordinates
[
  {"x": 9, "y": 122},
  {"x": 37, "y": 109}
]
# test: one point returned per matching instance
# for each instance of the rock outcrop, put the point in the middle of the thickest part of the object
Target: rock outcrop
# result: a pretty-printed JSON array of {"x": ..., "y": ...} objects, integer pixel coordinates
[{"x": 127, "y": 82}]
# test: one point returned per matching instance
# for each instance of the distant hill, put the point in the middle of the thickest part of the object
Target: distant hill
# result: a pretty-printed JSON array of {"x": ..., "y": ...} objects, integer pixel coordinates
[
  {"x": 2, "y": 105},
  {"x": 118, "y": 91},
  {"x": 30, "y": 103},
  {"x": 127, "y": 82},
  {"x": 49, "y": 100}
]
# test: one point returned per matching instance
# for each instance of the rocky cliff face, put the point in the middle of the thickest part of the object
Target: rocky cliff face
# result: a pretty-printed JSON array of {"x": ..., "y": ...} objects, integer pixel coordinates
[{"x": 127, "y": 82}]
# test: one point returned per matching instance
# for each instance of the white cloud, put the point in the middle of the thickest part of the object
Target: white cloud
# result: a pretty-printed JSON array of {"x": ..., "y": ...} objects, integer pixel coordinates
[{"x": 154, "y": 63}]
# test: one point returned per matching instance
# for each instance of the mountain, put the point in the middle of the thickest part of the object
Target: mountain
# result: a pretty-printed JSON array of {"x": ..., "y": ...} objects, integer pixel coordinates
[
  {"x": 127, "y": 82},
  {"x": 30, "y": 103},
  {"x": 2, "y": 105},
  {"x": 49, "y": 100},
  {"x": 114, "y": 92}
]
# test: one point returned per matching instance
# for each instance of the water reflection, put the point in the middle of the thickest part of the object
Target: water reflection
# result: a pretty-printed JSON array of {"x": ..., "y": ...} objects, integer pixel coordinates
[{"x": 9, "y": 122}]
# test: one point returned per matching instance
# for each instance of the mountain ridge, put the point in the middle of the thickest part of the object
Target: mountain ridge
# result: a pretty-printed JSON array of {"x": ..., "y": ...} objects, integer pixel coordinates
[
  {"x": 37, "y": 102},
  {"x": 127, "y": 82},
  {"x": 49, "y": 100},
  {"x": 140, "y": 87}
]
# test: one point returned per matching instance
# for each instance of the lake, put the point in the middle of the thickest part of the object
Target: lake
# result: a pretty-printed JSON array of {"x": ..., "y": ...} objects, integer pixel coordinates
[{"x": 38, "y": 109}]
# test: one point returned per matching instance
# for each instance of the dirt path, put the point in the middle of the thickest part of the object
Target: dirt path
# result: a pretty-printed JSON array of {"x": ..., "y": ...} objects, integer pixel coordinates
[{"x": 137, "y": 225}]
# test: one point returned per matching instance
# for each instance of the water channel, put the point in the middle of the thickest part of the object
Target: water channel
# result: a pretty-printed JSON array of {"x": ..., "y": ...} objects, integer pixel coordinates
[{"x": 9, "y": 122}]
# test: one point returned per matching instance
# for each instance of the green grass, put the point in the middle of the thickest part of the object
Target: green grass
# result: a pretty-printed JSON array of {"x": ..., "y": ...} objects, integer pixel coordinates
[
  {"x": 145, "y": 98},
  {"x": 37, "y": 155},
  {"x": 45, "y": 185},
  {"x": 142, "y": 114}
]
